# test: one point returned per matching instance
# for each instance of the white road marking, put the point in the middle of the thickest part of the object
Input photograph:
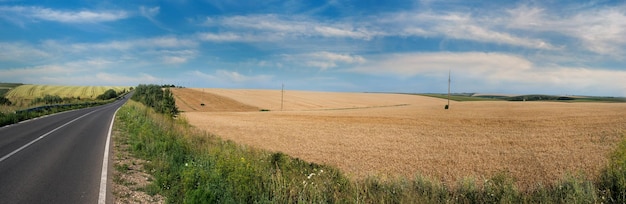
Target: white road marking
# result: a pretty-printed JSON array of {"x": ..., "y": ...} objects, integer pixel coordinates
[
  {"x": 105, "y": 164},
  {"x": 42, "y": 136}
]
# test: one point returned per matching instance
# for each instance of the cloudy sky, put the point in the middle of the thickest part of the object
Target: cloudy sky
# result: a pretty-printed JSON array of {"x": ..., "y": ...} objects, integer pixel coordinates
[{"x": 524, "y": 47}]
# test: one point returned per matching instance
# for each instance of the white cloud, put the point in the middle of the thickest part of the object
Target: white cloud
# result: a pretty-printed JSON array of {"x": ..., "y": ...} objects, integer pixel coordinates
[
  {"x": 328, "y": 31},
  {"x": 149, "y": 13},
  {"x": 270, "y": 26},
  {"x": 168, "y": 41},
  {"x": 273, "y": 23},
  {"x": 485, "y": 70},
  {"x": 100, "y": 78},
  {"x": 226, "y": 78},
  {"x": 141, "y": 78},
  {"x": 526, "y": 17},
  {"x": 165, "y": 42},
  {"x": 457, "y": 25},
  {"x": 478, "y": 33},
  {"x": 28, "y": 72},
  {"x": 47, "y": 14},
  {"x": 177, "y": 56},
  {"x": 174, "y": 59},
  {"x": 223, "y": 37},
  {"x": 412, "y": 64},
  {"x": 68, "y": 68},
  {"x": 324, "y": 60},
  {"x": 337, "y": 57},
  {"x": 165, "y": 49},
  {"x": 240, "y": 78},
  {"x": 86, "y": 72},
  {"x": 21, "y": 52},
  {"x": 599, "y": 30}
]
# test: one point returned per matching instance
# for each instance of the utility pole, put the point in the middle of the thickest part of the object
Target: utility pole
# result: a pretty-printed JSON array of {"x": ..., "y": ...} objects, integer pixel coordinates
[
  {"x": 282, "y": 97},
  {"x": 449, "y": 73}
]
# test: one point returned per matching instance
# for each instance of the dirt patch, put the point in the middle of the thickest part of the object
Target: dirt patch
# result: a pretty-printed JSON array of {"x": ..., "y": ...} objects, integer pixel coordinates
[
  {"x": 129, "y": 176},
  {"x": 535, "y": 142},
  {"x": 191, "y": 100}
]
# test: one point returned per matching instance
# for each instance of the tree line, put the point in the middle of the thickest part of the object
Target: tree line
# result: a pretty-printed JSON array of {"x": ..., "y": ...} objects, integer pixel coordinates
[{"x": 160, "y": 99}]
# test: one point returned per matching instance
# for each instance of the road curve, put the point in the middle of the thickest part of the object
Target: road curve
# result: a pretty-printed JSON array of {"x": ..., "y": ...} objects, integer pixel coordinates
[{"x": 55, "y": 159}]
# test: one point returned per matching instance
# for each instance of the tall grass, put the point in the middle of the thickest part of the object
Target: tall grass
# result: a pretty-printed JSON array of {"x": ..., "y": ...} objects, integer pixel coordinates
[
  {"x": 194, "y": 167},
  {"x": 191, "y": 166},
  {"x": 613, "y": 178}
]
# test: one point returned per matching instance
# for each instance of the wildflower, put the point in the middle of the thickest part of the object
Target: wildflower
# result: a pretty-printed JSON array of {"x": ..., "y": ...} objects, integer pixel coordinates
[{"x": 310, "y": 175}]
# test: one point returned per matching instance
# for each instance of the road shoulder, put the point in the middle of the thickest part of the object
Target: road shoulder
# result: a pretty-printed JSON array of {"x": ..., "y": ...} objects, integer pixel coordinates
[{"x": 130, "y": 178}]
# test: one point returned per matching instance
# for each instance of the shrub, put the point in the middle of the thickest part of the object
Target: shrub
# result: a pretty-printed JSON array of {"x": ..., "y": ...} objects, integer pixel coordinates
[
  {"x": 154, "y": 96},
  {"x": 47, "y": 99},
  {"x": 109, "y": 94},
  {"x": 5, "y": 101}
]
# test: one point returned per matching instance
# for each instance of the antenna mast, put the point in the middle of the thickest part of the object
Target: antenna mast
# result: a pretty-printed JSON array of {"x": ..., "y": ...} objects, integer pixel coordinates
[{"x": 282, "y": 97}]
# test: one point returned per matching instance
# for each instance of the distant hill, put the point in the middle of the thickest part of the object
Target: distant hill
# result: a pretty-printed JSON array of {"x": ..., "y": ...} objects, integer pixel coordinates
[
  {"x": 530, "y": 97},
  {"x": 6, "y": 87}
]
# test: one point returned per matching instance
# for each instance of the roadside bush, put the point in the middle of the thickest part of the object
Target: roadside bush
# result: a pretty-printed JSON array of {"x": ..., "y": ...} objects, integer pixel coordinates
[
  {"x": 47, "y": 99},
  {"x": 154, "y": 96},
  {"x": 109, "y": 94},
  {"x": 5, "y": 101}
]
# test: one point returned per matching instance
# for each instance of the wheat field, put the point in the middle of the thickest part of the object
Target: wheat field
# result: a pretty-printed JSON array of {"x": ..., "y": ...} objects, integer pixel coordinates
[
  {"x": 32, "y": 91},
  {"x": 392, "y": 135}
]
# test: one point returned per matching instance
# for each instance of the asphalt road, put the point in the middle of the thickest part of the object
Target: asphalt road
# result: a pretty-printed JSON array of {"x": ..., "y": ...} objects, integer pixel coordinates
[{"x": 55, "y": 159}]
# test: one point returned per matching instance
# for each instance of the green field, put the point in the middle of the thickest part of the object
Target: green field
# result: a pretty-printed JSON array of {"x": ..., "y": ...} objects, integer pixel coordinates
[{"x": 32, "y": 91}]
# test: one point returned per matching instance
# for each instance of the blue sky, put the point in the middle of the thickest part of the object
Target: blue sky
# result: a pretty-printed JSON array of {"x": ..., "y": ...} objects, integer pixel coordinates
[{"x": 518, "y": 47}]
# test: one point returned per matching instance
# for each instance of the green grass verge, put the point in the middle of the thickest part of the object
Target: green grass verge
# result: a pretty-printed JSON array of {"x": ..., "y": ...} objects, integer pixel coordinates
[
  {"x": 613, "y": 178},
  {"x": 190, "y": 166},
  {"x": 194, "y": 167}
]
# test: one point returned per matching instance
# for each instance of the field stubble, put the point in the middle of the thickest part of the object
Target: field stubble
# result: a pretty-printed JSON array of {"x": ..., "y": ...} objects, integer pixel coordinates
[{"x": 534, "y": 142}]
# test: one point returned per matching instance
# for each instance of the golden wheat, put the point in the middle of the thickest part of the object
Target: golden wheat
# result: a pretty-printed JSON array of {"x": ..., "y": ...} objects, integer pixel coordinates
[
  {"x": 375, "y": 135},
  {"x": 31, "y": 91}
]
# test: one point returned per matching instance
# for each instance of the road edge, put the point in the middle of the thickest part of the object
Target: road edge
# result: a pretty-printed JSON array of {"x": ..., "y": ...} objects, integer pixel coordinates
[{"x": 105, "y": 164}]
